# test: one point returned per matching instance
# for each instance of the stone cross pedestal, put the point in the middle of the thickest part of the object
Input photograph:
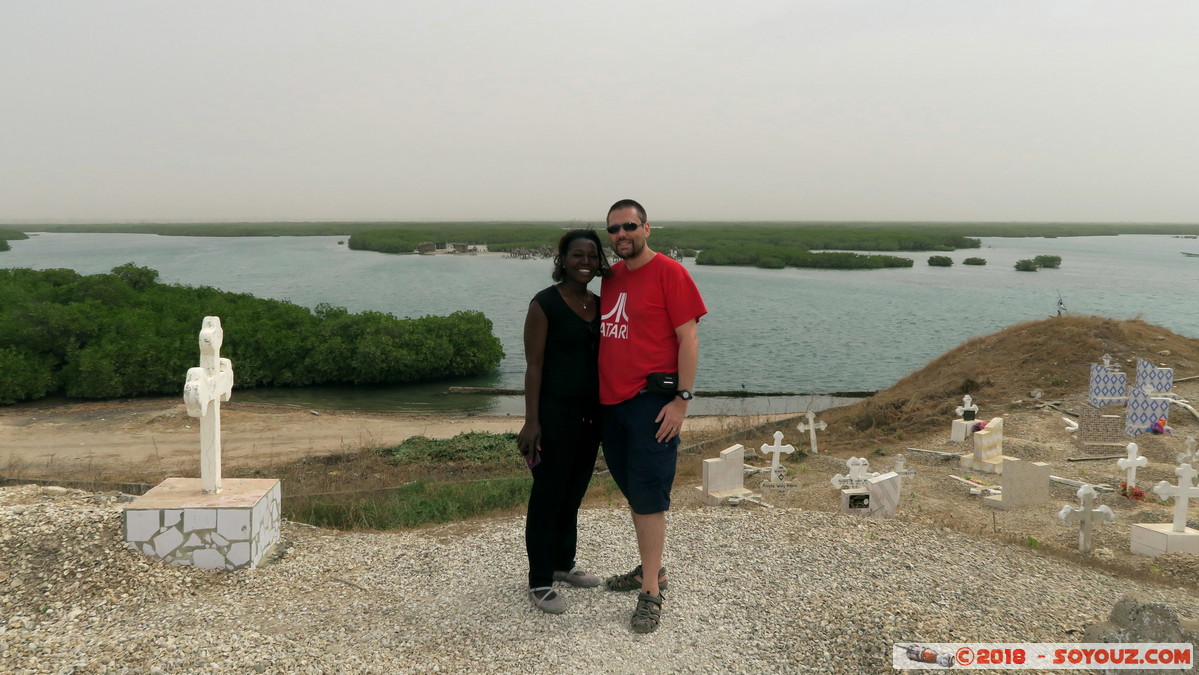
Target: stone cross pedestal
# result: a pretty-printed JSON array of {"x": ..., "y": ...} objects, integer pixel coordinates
[
  {"x": 1085, "y": 516},
  {"x": 207, "y": 522},
  {"x": 811, "y": 426},
  {"x": 1154, "y": 539},
  {"x": 776, "y": 471},
  {"x": 206, "y": 388},
  {"x": 1129, "y": 465},
  {"x": 967, "y": 411}
]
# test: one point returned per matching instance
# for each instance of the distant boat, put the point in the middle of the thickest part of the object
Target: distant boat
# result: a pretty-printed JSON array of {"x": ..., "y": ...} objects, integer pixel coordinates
[{"x": 1190, "y": 255}]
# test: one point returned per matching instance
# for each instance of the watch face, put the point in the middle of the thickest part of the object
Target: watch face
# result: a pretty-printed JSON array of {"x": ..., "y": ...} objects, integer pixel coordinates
[{"x": 685, "y": 395}]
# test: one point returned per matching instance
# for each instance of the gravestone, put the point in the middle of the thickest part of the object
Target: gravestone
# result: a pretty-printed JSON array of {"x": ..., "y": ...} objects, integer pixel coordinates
[
  {"x": 1108, "y": 385},
  {"x": 776, "y": 471},
  {"x": 724, "y": 477},
  {"x": 811, "y": 426},
  {"x": 1085, "y": 516},
  {"x": 1099, "y": 429},
  {"x": 901, "y": 469},
  {"x": 1154, "y": 539},
  {"x": 988, "y": 449},
  {"x": 207, "y": 522},
  {"x": 1129, "y": 466},
  {"x": 1023, "y": 484},
  {"x": 963, "y": 426},
  {"x": 1143, "y": 410},
  {"x": 1188, "y": 455},
  {"x": 1139, "y": 619},
  {"x": 879, "y": 497},
  {"x": 1156, "y": 381},
  {"x": 858, "y": 474}
]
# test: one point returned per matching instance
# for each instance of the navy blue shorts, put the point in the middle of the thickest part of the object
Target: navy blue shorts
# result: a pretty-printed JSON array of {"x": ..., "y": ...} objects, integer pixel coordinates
[{"x": 642, "y": 467}]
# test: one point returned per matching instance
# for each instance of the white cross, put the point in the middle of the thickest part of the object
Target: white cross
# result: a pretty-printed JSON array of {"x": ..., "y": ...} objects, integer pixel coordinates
[
  {"x": 901, "y": 468},
  {"x": 812, "y": 426},
  {"x": 1085, "y": 516},
  {"x": 1130, "y": 464},
  {"x": 776, "y": 471},
  {"x": 1192, "y": 448},
  {"x": 1107, "y": 361},
  {"x": 858, "y": 474},
  {"x": 203, "y": 392},
  {"x": 967, "y": 404},
  {"x": 1182, "y": 493}
]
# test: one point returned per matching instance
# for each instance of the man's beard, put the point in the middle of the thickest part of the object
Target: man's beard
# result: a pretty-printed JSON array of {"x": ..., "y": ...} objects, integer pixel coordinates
[{"x": 635, "y": 249}]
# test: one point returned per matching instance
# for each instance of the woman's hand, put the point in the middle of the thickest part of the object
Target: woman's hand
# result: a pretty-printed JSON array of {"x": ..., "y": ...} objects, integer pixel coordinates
[{"x": 529, "y": 438}]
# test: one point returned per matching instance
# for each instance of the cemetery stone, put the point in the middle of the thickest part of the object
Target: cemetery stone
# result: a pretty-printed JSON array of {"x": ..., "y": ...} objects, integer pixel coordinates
[
  {"x": 1085, "y": 516},
  {"x": 1023, "y": 484}
]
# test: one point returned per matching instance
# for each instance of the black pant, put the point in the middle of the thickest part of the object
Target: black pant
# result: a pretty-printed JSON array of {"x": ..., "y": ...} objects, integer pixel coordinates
[{"x": 569, "y": 445}]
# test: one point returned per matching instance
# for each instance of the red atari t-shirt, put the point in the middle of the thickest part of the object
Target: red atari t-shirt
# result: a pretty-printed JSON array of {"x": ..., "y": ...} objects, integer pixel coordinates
[{"x": 639, "y": 311}]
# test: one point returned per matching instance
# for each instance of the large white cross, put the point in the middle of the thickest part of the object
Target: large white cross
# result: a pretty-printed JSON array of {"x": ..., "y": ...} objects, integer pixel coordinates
[
  {"x": 1129, "y": 466},
  {"x": 1085, "y": 516},
  {"x": 1192, "y": 448},
  {"x": 967, "y": 404},
  {"x": 777, "y": 449},
  {"x": 205, "y": 389},
  {"x": 811, "y": 427},
  {"x": 1182, "y": 493}
]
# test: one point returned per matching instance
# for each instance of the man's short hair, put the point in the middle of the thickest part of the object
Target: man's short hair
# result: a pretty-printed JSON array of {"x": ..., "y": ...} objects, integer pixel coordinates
[{"x": 629, "y": 203}]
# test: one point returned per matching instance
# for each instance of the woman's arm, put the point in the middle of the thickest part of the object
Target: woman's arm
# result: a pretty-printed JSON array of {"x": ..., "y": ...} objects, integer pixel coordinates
[{"x": 536, "y": 328}]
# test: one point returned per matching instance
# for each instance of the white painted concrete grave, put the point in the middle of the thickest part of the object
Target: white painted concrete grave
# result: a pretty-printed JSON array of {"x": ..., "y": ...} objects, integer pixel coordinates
[
  {"x": 859, "y": 474},
  {"x": 988, "y": 449},
  {"x": 1023, "y": 484},
  {"x": 207, "y": 522},
  {"x": 1189, "y": 454},
  {"x": 880, "y": 497},
  {"x": 963, "y": 426},
  {"x": 1085, "y": 516},
  {"x": 811, "y": 426},
  {"x": 901, "y": 469},
  {"x": 776, "y": 471},
  {"x": 1154, "y": 539},
  {"x": 1129, "y": 465},
  {"x": 724, "y": 477}
]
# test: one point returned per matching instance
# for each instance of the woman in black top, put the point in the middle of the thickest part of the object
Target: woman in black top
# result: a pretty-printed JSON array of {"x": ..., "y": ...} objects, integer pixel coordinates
[{"x": 560, "y": 436}]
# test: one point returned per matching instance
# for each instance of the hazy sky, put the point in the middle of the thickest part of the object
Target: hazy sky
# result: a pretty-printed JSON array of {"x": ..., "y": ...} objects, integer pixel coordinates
[{"x": 1079, "y": 110}]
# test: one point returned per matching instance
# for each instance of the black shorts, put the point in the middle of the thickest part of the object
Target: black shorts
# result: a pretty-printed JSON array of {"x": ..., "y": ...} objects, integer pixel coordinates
[{"x": 642, "y": 467}]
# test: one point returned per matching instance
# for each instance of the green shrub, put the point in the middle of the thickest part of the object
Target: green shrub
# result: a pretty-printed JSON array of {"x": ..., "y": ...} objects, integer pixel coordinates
[
  {"x": 474, "y": 447},
  {"x": 1026, "y": 265},
  {"x": 940, "y": 261},
  {"x": 974, "y": 261},
  {"x": 1050, "y": 261}
]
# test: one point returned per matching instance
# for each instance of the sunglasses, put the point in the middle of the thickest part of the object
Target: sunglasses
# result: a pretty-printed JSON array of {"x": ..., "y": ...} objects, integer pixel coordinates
[{"x": 628, "y": 227}]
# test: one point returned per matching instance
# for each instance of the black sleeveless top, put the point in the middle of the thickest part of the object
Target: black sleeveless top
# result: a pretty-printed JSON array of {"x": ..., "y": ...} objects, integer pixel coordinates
[{"x": 571, "y": 363}]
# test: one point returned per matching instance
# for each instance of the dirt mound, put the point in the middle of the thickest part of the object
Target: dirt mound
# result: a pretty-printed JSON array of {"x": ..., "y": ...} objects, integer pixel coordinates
[{"x": 1052, "y": 355}]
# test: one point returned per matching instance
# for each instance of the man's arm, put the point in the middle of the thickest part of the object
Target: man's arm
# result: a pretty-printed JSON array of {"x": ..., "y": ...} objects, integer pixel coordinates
[{"x": 672, "y": 414}]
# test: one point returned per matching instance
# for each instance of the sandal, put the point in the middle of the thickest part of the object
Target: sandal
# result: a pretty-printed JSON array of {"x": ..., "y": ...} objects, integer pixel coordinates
[
  {"x": 648, "y": 613},
  {"x": 547, "y": 599},
  {"x": 632, "y": 580},
  {"x": 577, "y": 577}
]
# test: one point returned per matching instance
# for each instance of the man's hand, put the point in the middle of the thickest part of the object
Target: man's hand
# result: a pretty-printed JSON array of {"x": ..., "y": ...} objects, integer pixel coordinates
[{"x": 671, "y": 418}]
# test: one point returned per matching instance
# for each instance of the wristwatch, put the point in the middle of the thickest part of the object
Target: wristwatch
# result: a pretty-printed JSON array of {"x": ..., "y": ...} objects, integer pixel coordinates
[{"x": 684, "y": 394}]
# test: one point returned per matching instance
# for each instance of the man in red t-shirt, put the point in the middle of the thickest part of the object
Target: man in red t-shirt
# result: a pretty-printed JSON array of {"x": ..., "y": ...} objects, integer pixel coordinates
[{"x": 649, "y": 308}]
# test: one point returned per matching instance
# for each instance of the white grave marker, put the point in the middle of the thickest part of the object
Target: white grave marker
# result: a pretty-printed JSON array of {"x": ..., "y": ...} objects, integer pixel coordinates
[
  {"x": 967, "y": 410},
  {"x": 811, "y": 427},
  {"x": 776, "y": 471},
  {"x": 205, "y": 389},
  {"x": 1182, "y": 493},
  {"x": 1085, "y": 516},
  {"x": 901, "y": 469},
  {"x": 1129, "y": 465},
  {"x": 1192, "y": 449},
  {"x": 858, "y": 474}
]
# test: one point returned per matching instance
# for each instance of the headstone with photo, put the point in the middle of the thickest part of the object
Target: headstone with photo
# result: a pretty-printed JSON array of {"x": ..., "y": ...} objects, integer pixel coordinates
[
  {"x": 879, "y": 497},
  {"x": 859, "y": 473},
  {"x": 963, "y": 426}
]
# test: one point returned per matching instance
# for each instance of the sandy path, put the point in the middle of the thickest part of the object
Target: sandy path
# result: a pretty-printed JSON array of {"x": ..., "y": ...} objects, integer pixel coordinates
[{"x": 155, "y": 436}]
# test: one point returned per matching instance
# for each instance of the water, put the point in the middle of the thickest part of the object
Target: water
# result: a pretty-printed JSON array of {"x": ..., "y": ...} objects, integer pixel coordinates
[{"x": 767, "y": 330}]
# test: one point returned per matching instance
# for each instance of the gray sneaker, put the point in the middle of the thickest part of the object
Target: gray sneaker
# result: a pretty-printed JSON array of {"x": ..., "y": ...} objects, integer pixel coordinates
[
  {"x": 577, "y": 577},
  {"x": 547, "y": 599}
]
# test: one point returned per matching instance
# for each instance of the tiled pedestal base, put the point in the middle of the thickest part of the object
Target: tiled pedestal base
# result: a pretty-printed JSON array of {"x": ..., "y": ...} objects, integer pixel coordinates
[
  {"x": 1154, "y": 539},
  {"x": 231, "y": 530}
]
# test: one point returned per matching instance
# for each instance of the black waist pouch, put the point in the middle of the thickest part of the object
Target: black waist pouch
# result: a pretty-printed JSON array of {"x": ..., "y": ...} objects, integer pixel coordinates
[{"x": 662, "y": 384}]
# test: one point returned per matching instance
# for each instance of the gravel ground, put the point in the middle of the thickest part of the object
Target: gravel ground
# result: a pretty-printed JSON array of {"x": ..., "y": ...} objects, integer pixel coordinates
[{"x": 752, "y": 590}]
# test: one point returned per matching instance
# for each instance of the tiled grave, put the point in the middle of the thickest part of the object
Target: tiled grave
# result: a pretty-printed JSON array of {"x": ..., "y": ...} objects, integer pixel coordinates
[
  {"x": 1143, "y": 410},
  {"x": 1107, "y": 385}
]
